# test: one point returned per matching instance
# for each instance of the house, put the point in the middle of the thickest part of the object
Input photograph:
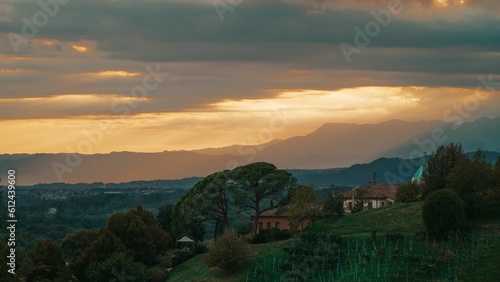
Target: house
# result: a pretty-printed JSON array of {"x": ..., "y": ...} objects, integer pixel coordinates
[
  {"x": 277, "y": 219},
  {"x": 373, "y": 195},
  {"x": 52, "y": 211}
]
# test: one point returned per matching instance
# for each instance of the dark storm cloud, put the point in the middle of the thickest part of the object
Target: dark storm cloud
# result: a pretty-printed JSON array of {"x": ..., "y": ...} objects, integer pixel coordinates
[
  {"x": 142, "y": 31},
  {"x": 249, "y": 52}
]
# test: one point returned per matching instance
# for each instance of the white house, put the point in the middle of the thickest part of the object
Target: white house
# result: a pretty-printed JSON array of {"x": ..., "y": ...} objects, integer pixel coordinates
[{"x": 374, "y": 195}]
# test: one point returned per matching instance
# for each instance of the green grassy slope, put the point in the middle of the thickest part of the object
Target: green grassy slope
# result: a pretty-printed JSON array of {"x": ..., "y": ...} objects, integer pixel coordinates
[
  {"x": 481, "y": 261},
  {"x": 404, "y": 218}
]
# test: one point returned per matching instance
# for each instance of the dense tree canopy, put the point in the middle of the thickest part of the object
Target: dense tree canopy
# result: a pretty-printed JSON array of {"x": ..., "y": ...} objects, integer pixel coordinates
[
  {"x": 475, "y": 182},
  {"x": 439, "y": 165},
  {"x": 209, "y": 199},
  {"x": 76, "y": 243},
  {"x": 118, "y": 267},
  {"x": 140, "y": 233},
  {"x": 130, "y": 242},
  {"x": 82, "y": 263},
  {"x": 164, "y": 216},
  {"x": 409, "y": 192},
  {"x": 47, "y": 262}
]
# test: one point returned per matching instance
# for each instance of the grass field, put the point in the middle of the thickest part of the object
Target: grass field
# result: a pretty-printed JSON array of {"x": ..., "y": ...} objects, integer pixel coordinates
[{"x": 403, "y": 218}]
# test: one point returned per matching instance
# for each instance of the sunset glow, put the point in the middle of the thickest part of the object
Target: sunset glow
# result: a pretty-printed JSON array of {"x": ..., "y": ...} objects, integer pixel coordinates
[
  {"x": 161, "y": 84},
  {"x": 117, "y": 73},
  {"x": 80, "y": 48}
]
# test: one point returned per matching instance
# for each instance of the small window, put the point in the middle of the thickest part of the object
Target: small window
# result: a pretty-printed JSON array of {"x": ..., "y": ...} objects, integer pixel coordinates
[
  {"x": 261, "y": 225},
  {"x": 278, "y": 225},
  {"x": 269, "y": 225},
  {"x": 383, "y": 203}
]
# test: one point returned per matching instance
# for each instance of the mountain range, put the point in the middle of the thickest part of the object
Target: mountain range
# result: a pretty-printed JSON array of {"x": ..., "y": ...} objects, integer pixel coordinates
[{"x": 333, "y": 145}]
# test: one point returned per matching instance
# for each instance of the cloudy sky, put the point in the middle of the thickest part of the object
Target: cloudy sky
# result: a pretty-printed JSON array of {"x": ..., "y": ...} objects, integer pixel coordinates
[{"x": 155, "y": 75}]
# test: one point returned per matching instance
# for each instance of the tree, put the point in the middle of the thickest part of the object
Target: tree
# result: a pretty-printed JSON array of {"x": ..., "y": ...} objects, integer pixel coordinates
[
  {"x": 334, "y": 206},
  {"x": 442, "y": 212},
  {"x": 77, "y": 242},
  {"x": 48, "y": 264},
  {"x": 207, "y": 200},
  {"x": 118, "y": 267},
  {"x": 102, "y": 248},
  {"x": 228, "y": 252},
  {"x": 141, "y": 234},
  {"x": 23, "y": 267},
  {"x": 197, "y": 232},
  {"x": 496, "y": 176},
  {"x": 258, "y": 181},
  {"x": 473, "y": 180},
  {"x": 439, "y": 165},
  {"x": 409, "y": 192},
  {"x": 164, "y": 216},
  {"x": 304, "y": 205}
]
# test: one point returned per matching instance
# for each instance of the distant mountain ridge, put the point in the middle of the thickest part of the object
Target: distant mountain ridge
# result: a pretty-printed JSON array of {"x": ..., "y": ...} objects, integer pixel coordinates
[
  {"x": 332, "y": 145},
  {"x": 385, "y": 169}
]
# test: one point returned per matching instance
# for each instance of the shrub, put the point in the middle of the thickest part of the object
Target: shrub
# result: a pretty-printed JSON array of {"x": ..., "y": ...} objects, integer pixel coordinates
[
  {"x": 200, "y": 248},
  {"x": 157, "y": 274},
  {"x": 180, "y": 256},
  {"x": 409, "y": 192},
  {"x": 279, "y": 234},
  {"x": 271, "y": 235},
  {"x": 248, "y": 238},
  {"x": 394, "y": 236},
  {"x": 261, "y": 237},
  {"x": 166, "y": 261},
  {"x": 228, "y": 252},
  {"x": 443, "y": 211}
]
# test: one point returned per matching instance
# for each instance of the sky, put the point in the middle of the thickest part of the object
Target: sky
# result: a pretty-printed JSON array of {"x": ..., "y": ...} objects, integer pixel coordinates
[{"x": 96, "y": 76}]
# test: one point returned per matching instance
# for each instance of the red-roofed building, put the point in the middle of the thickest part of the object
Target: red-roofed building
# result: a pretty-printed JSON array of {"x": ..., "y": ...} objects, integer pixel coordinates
[
  {"x": 277, "y": 219},
  {"x": 374, "y": 195}
]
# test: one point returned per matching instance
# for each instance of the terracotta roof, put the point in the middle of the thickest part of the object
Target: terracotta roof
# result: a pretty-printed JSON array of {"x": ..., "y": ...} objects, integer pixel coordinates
[
  {"x": 375, "y": 191},
  {"x": 275, "y": 212}
]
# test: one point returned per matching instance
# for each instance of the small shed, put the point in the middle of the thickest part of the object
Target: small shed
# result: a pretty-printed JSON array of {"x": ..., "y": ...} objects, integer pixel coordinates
[{"x": 183, "y": 242}]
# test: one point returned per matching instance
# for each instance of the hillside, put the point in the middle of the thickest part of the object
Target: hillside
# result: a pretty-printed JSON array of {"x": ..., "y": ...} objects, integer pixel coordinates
[
  {"x": 404, "y": 218},
  {"x": 356, "y": 230}
]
